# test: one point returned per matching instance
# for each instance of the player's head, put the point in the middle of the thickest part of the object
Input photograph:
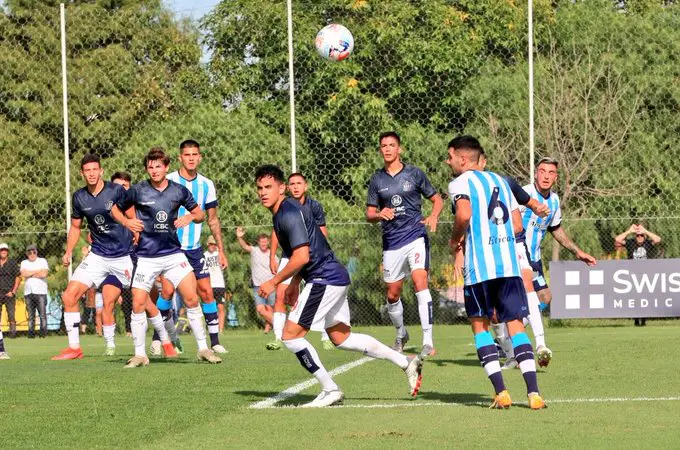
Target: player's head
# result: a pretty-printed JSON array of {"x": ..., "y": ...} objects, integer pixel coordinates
[
  {"x": 157, "y": 163},
  {"x": 464, "y": 154},
  {"x": 263, "y": 241},
  {"x": 297, "y": 185},
  {"x": 546, "y": 173},
  {"x": 390, "y": 146},
  {"x": 122, "y": 178},
  {"x": 271, "y": 186},
  {"x": 91, "y": 169},
  {"x": 189, "y": 155}
]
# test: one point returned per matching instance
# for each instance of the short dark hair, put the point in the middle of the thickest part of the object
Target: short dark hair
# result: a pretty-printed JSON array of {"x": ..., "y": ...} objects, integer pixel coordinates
[
  {"x": 269, "y": 170},
  {"x": 120, "y": 175},
  {"x": 386, "y": 134},
  {"x": 548, "y": 160},
  {"x": 296, "y": 174},
  {"x": 157, "y": 154},
  {"x": 90, "y": 158},
  {"x": 467, "y": 143},
  {"x": 189, "y": 143}
]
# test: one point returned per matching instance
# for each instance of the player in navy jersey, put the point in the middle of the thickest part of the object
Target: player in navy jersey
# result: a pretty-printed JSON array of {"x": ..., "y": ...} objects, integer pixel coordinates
[
  {"x": 297, "y": 187},
  {"x": 203, "y": 190},
  {"x": 483, "y": 244},
  {"x": 110, "y": 254},
  {"x": 323, "y": 301},
  {"x": 157, "y": 202},
  {"x": 394, "y": 200}
]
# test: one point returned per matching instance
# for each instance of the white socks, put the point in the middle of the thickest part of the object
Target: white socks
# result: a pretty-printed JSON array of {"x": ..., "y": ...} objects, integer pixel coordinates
[
  {"x": 159, "y": 326},
  {"x": 501, "y": 332},
  {"x": 425, "y": 313},
  {"x": 109, "y": 331},
  {"x": 535, "y": 319},
  {"x": 370, "y": 346},
  {"x": 72, "y": 324},
  {"x": 309, "y": 359},
  {"x": 195, "y": 316},
  {"x": 138, "y": 326},
  {"x": 279, "y": 322},
  {"x": 396, "y": 313}
]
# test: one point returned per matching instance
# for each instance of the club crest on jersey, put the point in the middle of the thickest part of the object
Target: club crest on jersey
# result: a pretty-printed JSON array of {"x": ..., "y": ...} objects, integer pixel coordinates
[
  {"x": 396, "y": 200},
  {"x": 161, "y": 216},
  {"x": 108, "y": 205},
  {"x": 99, "y": 219},
  {"x": 407, "y": 186}
]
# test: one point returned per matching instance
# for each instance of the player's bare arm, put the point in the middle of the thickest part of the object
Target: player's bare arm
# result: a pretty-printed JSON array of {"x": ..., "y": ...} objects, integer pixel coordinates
[
  {"x": 274, "y": 246},
  {"x": 133, "y": 224},
  {"x": 655, "y": 238},
  {"x": 324, "y": 230},
  {"x": 621, "y": 238},
  {"x": 216, "y": 230},
  {"x": 196, "y": 215},
  {"x": 561, "y": 236},
  {"x": 437, "y": 206},
  {"x": 293, "y": 291},
  {"x": 375, "y": 216},
  {"x": 71, "y": 241},
  {"x": 240, "y": 233},
  {"x": 540, "y": 209},
  {"x": 297, "y": 260}
]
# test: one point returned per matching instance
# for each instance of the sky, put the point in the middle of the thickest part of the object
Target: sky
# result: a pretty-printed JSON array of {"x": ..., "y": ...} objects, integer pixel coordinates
[{"x": 191, "y": 8}]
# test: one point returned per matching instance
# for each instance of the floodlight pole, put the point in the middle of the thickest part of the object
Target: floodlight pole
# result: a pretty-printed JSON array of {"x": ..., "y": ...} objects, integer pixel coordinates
[
  {"x": 64, "y": 89},
  {"x": 291, "y": 87},
  {"x": 531, "y": 90}
]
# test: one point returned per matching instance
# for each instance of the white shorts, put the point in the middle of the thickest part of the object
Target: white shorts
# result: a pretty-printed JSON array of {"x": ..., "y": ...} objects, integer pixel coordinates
[
  {"x": 99, "y": 300},
  {"x": 399, "y": 263},
  {"x": 94, "y": 269},
  {"x": 522, "y": 257},
  {"x": 282, "y": 264},
  {"x": 321, "y": 306},
  {"x": 174, "y": 267}
]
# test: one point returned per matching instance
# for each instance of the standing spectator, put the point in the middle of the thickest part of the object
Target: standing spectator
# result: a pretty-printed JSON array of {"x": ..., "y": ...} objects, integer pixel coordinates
[
  {"x": 259, "y": 273},
  {"x": 212, "y": 260},
  {"x": 642, "y": 246},
  {"x": 35, "y": 271},
  {"x": 9, "y": 283}
]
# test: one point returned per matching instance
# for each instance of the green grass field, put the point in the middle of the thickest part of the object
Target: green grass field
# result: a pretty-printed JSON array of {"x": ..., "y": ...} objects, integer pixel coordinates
[{"x": 606, "y": 387}]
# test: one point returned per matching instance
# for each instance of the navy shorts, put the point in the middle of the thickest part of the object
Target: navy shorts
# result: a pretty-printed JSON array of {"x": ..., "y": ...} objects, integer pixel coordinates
[
  {"x": 504, "y": 295},
  {"x": 197, "y": 261},
  {"x": 539, "y": 279},
  {"x": 111, "y": 280}
]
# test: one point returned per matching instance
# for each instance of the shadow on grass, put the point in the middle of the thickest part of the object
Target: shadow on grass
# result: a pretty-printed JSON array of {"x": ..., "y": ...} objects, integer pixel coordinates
[
  {"x": 125, "y": 359},
  {"x": 458, "y": 362}
]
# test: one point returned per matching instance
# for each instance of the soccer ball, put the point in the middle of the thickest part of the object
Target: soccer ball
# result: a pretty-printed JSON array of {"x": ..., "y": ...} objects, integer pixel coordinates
[{"x": 334, "y": 42}]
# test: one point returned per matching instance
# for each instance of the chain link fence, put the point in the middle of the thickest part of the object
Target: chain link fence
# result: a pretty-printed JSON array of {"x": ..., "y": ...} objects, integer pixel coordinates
[{"x": 607, "y": 97}]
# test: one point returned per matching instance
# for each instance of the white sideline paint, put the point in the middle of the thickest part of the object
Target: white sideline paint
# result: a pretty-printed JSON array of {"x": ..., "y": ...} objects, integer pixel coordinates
[{"x": 294, "y": 390}]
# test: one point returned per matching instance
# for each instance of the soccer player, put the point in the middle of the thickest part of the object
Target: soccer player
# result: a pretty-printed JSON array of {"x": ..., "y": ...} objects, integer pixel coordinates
[
  {"x": 536, "y": 227},
  {"x": 324, "y": 298},
  {"x": 109, "y": 256},
  {"x": 483, "y": 242},
  {"x": 125, "y": 300},
  {"x": 394, "y": 200},
  {"x": 157, "y": 202},
  {"x": 297, "y": 187},
  {"x": 204, "y": 193}
]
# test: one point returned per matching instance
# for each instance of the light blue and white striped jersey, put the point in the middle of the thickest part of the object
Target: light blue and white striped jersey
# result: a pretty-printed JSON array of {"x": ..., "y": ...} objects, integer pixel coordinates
[
  {"x": 490, "y": 241},
  {"x": 205, "y": 195},
  {"x": 536, "y": 226}
]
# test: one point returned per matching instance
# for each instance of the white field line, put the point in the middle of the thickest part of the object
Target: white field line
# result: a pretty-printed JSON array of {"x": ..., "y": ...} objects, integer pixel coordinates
[{"x": 294, "y": 390}]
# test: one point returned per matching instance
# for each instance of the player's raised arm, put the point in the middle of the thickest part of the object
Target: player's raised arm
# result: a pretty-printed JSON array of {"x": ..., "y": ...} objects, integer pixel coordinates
[{"x": 523, "y": 198}]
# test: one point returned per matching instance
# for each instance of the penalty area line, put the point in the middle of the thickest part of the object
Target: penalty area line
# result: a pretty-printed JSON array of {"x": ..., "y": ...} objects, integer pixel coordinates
[
  {"x": 418, "y": 404},
  {"x": 294, "y": 390}
]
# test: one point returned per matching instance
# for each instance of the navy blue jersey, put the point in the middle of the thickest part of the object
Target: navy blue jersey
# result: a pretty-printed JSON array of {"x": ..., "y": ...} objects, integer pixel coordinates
[
  {"x": 316, "y": 209},
  {"x": 401, "y": 192},
  {"x": 109, "y": 238},
  {"x": 158, "y": 210},
  {"x": 295, "y": 227}
]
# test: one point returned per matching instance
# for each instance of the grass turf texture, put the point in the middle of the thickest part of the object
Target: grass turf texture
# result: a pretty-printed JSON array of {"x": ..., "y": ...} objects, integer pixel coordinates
[{"x": 94, "y": 402}]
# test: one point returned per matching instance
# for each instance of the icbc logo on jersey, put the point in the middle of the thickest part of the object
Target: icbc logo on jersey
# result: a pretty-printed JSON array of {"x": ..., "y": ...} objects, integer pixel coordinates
[
  {"x": 99, "y": 221},
  {"x": 396, "y": 201},
  {"x": 161, "y": 218}
]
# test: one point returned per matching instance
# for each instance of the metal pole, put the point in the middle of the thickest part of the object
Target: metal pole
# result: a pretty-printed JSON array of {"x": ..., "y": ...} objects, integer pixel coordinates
[
  {"x": 291, "y": 87},
  {"x": 531, "y": 89},
  {"x": 64, "y": 89}
]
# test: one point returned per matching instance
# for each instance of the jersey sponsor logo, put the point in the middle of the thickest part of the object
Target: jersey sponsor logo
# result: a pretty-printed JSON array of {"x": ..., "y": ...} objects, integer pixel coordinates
[
  {"x": 396, "y": 200},
  {"x": 161, "y": 217},
  {"x": 147, "y": 203},
  {"x": 407, "y": 186},
  {"x": 108, "y": 205}
]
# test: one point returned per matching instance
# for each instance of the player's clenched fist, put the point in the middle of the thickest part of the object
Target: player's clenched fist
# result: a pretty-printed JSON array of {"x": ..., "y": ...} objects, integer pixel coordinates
[{"x": 386, "y": 214}]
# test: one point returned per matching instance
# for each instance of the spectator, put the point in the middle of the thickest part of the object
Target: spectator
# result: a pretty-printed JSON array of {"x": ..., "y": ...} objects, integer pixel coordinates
[
  {"x": 9, "y": 283},
  {"x": 642, "y": 246},
  {"x": 212, "y": 259},
  {"x": 35, "y": 271},
  {"x": 260, "y": 272}
]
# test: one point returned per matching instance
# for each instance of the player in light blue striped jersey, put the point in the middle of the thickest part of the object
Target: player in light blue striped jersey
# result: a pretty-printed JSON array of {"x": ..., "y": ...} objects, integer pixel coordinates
[
  {"x": 203, "y": 191},
  {"x": 536, "y": 227},
  {"x": 483, "y": 243}
]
